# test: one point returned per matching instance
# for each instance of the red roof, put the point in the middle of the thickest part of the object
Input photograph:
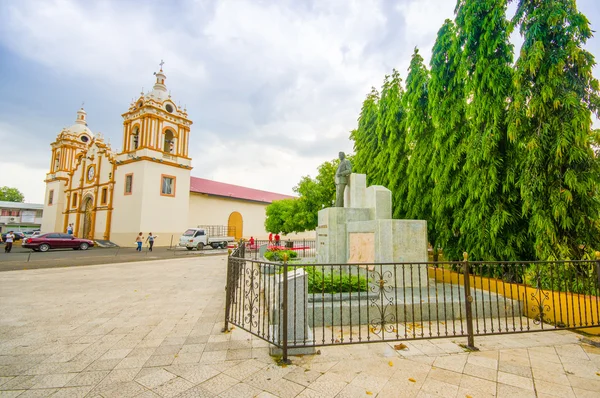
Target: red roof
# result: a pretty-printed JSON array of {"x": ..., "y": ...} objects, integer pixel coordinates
[{"x": 201, "y": 185}]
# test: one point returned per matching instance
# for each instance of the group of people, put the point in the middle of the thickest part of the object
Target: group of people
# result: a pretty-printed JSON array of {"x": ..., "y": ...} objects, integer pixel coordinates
[
  {"x": 277, "y": 239},
  {"x": 139, "y": 240},
  {"x": 8, "y": 241}
]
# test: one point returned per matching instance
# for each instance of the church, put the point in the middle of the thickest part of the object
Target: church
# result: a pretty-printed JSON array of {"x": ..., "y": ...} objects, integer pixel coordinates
[{"x": 147, "y": 187}]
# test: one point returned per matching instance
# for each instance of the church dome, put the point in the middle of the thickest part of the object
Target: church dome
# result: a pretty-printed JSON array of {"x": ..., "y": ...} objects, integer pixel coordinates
[{"x": 80, "y": 128}]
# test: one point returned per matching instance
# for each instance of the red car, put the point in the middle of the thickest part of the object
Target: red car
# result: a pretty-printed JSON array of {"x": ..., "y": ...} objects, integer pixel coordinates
[{"x": 56, "y": 240}]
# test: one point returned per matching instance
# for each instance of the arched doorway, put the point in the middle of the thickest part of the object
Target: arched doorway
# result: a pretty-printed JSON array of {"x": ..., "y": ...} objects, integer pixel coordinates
[
  {"x": 236, "y": 225},
  {"x": 87, "y": 207}
]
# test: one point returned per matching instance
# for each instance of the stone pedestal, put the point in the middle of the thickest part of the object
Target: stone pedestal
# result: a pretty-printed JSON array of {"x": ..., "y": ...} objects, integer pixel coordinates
[
  {"x": 363, "y": 232},
  {"x": 298, "y": 331}
]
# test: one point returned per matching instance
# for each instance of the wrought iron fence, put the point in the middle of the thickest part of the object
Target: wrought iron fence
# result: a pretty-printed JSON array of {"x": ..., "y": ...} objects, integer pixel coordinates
[
  {"x": 305, "y": 248},
  {"x": 296, "y": 307}
]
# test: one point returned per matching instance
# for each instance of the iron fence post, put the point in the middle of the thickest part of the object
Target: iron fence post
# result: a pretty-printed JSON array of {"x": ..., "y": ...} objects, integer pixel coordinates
[
  {"x": 597, "y": 271},
  {"x": 468, "y": 301},
  {"x": 284, "y": 348},
  {"x": 228, "y": 291}
]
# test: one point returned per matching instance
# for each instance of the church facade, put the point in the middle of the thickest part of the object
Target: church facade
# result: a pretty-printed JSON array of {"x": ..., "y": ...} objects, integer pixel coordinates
[{"x": 147, "y": 186}]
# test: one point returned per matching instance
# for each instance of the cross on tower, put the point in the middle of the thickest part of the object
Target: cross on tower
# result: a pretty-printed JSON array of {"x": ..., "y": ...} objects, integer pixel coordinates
[{"x": 161, "y": 64}]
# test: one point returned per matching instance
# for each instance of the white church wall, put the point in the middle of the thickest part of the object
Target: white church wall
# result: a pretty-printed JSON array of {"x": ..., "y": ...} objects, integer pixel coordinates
[
  {"x": 127, "y": 207},
  {"x": 209, "y": 210}
]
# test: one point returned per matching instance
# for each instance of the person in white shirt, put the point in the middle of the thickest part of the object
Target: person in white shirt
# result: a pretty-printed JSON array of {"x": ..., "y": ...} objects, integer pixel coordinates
[{"x": 9, "y": 238}]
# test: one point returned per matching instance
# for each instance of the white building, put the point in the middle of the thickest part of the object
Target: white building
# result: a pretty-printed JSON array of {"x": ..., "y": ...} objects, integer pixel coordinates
[
  {"x": 17, "y": 216},
  {"x": 147, "y": 187}
]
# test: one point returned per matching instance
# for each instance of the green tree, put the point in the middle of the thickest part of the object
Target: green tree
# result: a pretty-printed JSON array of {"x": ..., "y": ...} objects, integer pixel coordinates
[
  {"x": 301, "y": 214},
  {"x": 392, "y": 159},
  {"x": 447, "y": 108},
  {"x": 366, "y": 142},
  {"x": 11, "y": 195},
  {"x": 281, "y": 216},
  {"x": 419, "y": 143},
  {"x": 490, "y": 222},
  {"x": 550, "y": 120}
]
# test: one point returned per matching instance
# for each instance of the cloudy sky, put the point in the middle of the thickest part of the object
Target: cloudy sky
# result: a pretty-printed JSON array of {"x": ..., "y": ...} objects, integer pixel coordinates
[{"x": 273, "y": 86}]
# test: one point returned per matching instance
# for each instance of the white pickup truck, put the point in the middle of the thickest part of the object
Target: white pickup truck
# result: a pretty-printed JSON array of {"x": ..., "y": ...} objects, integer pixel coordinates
[{"x": 197, "y": 238}]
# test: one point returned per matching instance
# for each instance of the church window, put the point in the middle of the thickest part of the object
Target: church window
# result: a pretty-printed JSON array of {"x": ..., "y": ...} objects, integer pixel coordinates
[
  {"x": 104, "y": 196},
  {"x": 168, "y": 144},
  {"x": 84, "y": 138},
  {"x": 169, "y": 108},
  {"x": 128, "y": 184},
  {"x": 167, "y": 185},
  {"x": 75, "y": 197},
  {"x": 50, "y": 197}
]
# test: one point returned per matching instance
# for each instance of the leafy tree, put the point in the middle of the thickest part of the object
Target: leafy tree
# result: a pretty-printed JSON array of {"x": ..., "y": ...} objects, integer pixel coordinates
[
  {"x": 281, "y": 216},
  {"x": 11, "y": 195},
  {"x": 392, "y": 160},
  {"x": 366, "y": 141},
  {"x": 550, "y": 120},
  {"x": 489, "y": 226},
  {"x": 301, "y": 214},
  {"x": 447, "y": 106},
  {"x": 419, "y": 141}
]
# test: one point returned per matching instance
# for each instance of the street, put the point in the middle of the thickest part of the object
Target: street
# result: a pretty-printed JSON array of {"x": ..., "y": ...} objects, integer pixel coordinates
[{"x": 21, "y": 258}]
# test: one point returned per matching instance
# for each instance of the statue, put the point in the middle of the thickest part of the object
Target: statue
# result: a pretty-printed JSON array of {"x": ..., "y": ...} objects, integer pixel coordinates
[{"x": 341, "y": 179}]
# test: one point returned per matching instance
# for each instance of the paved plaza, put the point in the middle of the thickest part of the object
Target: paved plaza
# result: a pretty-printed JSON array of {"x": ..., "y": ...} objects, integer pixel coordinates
[{"x": 153, "y": 329}]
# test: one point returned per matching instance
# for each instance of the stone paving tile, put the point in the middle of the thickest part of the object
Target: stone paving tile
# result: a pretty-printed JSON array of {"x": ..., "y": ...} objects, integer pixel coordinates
[
  {"x": 219, "y": 383},
  {"x": 87, "y": 378},
  {"x": 515, "y": 380},
  {"x": 11, "y": 394},
  {"x": 196, "y": 392},
  {"x": 156, "y": 378},
  {"x": 241, "y": 390},
  {"x": 39, "y": 393},
  {"x": 125, "y": 389},
  {"x": 72, "y": 392},
  {"x": 508, "y": 391},
  {"x": 173, "y": 387},
  {"x": 439, "y": 388},
  {"x": 54, "y": 380}
]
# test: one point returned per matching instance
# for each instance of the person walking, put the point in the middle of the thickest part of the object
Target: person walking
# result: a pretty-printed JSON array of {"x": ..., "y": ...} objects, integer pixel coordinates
[
  {"x": 70, "y": 229},
  {"x": 277, "y": 239},
  {"x": 139, "y": 240},
  {"x": 150, "y": 240},
  {"x": 270, "y": 239},
  {"x": 9, "y": 239}
]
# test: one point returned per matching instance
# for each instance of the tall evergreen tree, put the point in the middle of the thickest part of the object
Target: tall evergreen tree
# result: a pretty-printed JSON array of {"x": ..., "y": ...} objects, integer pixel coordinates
[
  {"x": 392, "y": 160},
  {"x": 419, "y": 141},
  {"x": 550, "y": 119},
  {"x": 489, "y": 228},
  {"x": 447, "y": 108},
  {"x": 366, "y": 142}
]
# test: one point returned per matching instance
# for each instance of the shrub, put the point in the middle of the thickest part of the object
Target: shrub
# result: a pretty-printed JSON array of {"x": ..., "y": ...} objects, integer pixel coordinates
[
  {"x": 334, "y": 282},
  {"x": 278, "y": 255}
]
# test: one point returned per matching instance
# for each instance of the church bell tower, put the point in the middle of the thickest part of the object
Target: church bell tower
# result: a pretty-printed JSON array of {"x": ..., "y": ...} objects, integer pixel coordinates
[{"x": 153, "y": 168}]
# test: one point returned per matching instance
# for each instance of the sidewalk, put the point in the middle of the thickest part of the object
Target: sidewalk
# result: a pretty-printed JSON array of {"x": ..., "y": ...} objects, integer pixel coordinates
[{"x": 152, "y": 329}]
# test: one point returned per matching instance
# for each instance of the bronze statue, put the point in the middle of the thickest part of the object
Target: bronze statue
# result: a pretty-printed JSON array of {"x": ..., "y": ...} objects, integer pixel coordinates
[{"x": 341, "y": 179}]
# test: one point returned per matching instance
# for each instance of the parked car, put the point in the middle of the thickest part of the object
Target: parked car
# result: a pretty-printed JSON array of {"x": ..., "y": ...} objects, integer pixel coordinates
[
  {"x": 18, "y": 236},
  {"x": 56, "y": 240}
]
